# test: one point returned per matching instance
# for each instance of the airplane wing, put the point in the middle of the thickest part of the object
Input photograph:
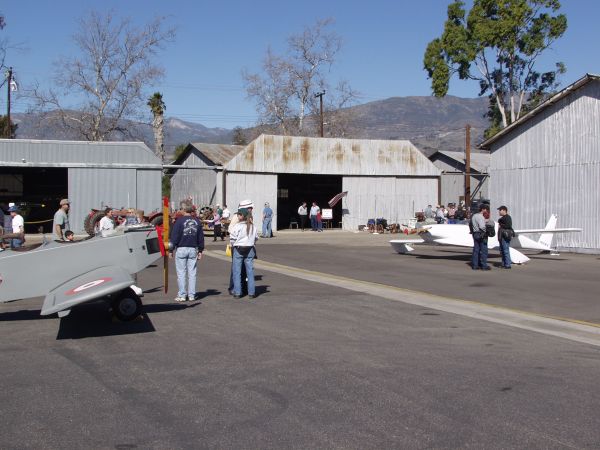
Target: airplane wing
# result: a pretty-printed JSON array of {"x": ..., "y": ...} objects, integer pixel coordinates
[
  {"x": 404, "y": 245},
  {"x": 89, "y": 286},
  {"x": 552, "y": 230},
  {"x": 517, "y": 257}
]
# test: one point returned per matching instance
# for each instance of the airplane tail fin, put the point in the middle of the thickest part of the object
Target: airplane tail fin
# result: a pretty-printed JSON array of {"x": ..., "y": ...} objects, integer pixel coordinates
[{"x": 546, "y": 238}]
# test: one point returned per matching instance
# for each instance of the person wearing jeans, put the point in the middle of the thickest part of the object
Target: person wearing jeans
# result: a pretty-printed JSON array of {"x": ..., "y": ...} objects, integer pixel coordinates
[
  {"x": 480, "y": 240},
  {"x": 243, "y": 256},
  {"x": 188, "y": 240},
  {"x": 505, "y": 234},
  {"x": 243, "y": 236}
]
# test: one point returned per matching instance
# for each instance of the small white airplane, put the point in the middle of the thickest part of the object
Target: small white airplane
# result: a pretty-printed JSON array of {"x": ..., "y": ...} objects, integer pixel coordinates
[{"x": 459, "y": 235}]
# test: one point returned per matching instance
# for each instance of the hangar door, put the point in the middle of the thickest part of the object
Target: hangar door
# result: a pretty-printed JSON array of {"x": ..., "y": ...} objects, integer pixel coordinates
[
  {"x": 293, "y": 189},
  {"x": 37, "y": 190}
]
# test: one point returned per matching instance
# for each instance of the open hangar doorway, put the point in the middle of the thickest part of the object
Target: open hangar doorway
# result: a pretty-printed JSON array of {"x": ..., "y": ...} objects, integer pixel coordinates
[
  {"x": 293, "y": 189},
  {"x": 37, "y": 191}
]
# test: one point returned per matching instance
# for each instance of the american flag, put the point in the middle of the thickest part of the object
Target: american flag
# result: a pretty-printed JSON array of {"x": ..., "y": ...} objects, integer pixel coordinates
[{"x": 336, "y": 199}]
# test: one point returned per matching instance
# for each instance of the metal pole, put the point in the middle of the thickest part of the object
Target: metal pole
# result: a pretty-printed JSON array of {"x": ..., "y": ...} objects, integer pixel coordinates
[
  {"x": 320, "y": 95},
  {"x": 7, "y": 128},
  {"x": 468, "y": 166}
]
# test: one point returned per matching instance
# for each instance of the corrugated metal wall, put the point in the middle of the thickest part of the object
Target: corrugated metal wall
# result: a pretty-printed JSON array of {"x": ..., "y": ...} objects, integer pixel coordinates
[
  {"x": 293, "y": 154},
  {"x": 453, "y": 187},
  {"x": 259, "y": 188},
  {"x": 97, "y": 188},
  {"x": 395, "y": 199},
  {"x": 551, "y": 164},
  {"x": 200, "y": 184},
  {"x": 149, "y": 190},
  {"x": 14, "y": 151}
]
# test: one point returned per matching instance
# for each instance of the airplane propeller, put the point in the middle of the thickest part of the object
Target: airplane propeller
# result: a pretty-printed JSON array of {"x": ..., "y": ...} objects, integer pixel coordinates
[{"x": 165, "y": 238}]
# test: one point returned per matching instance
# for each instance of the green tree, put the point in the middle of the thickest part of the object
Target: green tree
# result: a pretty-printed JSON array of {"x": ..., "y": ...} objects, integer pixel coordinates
[
  {"x": 4, "y": 132},
  {"x": 157, "y": 106},
  {"x": 498, "y": 44},
  {"x": 239, "y": 138},
  {"x": 179, "y": 150}
]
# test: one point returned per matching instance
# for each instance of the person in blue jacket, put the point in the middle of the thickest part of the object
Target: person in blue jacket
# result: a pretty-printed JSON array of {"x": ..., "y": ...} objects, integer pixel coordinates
[{"x": 187, "y": 239}]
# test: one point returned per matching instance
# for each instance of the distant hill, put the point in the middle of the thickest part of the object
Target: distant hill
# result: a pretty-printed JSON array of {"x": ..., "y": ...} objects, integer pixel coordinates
[{"x": 430, "y": 123}]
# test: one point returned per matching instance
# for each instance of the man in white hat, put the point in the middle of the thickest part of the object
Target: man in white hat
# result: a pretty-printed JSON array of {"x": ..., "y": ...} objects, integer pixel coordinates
[{"x": 61, "y": 220}]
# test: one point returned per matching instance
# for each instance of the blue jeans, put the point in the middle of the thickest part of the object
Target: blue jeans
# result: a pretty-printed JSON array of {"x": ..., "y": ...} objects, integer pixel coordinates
[
  {"x": 480, "y": 253},
  {"x": 319, "y": 225},
  {"x": 186, "y": 259},
  {"x": 15, "y": 243},
  {"x": 266, "y": 229},
  {"x": 248, "y": 263},
  {"x": 313, "y": 222},
  {"x": 505, "y": 252}
]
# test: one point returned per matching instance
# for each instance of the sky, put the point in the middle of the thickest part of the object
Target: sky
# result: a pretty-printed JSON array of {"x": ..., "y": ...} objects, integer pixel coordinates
[{"x": 381, "y": 57}]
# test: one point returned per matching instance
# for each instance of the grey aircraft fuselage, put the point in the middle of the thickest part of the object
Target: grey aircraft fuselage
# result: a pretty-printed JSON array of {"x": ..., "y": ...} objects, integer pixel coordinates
[{"x": 52, "y": 265}]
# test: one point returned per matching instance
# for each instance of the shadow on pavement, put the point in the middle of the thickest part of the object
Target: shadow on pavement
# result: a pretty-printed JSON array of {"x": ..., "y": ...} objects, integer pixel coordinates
[
  {"x": 95, "y": 320},
  {"x": 24, "y": 314}
]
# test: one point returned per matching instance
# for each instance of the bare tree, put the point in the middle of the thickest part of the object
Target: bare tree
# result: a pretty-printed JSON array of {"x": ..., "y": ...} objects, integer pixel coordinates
[
  {"x": 310, "y": 53},
  {"x": 272, "y": 91},
  {"x": 337, "y": 114},
  {"x": 284, "y": 91},
  {"x": 114, "y": 68},
  {"x": 157, "y": 106}
]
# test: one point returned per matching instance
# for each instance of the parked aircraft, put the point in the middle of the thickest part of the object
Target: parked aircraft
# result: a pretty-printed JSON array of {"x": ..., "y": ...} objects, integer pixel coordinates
[
  {"x": 71, "y": 273},
  {"x": 459, "y": 235}
]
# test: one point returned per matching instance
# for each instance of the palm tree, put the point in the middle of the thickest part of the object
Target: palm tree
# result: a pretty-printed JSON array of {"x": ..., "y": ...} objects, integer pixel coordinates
[{"x": 157, "y": 106}]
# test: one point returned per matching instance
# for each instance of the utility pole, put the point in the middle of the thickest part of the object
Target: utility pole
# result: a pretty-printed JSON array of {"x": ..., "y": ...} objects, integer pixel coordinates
[
  {"x": 320, "y": 95},
  {"x": 7, "y": 129},
  {"x": 468, "y": 166}
]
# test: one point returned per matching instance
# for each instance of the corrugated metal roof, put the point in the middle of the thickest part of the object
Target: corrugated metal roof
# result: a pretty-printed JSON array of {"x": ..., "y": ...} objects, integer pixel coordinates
[
  {"x": 479, "y": 161},
  {"x": 555, "y": 98},
  {"x": 296, "y": 154},
  {"x": 218, "y": 154},
  {"x": 46, "y": 153}
]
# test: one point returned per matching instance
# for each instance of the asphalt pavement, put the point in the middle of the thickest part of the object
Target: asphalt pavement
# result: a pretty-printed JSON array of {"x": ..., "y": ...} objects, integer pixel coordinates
[{"x": 308, "y": 364}]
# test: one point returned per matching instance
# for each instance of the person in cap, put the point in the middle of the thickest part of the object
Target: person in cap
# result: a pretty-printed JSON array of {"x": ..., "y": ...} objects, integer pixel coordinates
[
  {"x": 243, "y": 237},
  {"x": 267, "y": 217},
  {"x": 187, "y": 238},
  {"x": 61, "y": 220},
  {"x": 505, "y": 234},
  {"x": 18, "y": 226}
]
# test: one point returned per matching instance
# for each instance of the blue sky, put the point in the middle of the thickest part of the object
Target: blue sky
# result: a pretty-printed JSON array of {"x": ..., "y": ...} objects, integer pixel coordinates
[{"x": 382, "y": 56}]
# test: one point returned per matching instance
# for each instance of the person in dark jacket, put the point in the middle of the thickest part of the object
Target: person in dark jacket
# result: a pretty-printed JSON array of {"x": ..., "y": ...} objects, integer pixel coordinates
[
  {"x": 505, "y": 234},
  {"x": 188, "y": 244}
]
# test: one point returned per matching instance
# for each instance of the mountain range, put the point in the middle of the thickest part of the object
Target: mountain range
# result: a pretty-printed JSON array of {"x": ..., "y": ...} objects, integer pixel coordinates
[{"x": 428, "y": 122}]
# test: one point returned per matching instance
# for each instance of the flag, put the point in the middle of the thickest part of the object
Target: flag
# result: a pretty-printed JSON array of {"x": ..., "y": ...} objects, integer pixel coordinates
[{"x": 336, "y": 199}]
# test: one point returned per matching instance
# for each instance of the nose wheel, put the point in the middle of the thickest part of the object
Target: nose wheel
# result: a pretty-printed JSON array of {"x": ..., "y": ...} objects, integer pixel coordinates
[{"x": 127, "y": 306}]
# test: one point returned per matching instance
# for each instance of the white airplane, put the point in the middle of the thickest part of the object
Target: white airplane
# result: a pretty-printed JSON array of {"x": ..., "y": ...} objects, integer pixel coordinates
[{"x": 459, "y": 235}]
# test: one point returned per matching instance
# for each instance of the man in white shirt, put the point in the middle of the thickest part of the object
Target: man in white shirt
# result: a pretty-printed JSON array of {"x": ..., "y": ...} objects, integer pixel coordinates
[
  {"x": 303, "y": 213},
  {"x": 18, "y": 226},
  {"x": 107, "y": 225}
]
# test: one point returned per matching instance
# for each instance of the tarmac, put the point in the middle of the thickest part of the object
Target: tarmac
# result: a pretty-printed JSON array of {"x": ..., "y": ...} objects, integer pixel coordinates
[{"x": 348, "y": 345}]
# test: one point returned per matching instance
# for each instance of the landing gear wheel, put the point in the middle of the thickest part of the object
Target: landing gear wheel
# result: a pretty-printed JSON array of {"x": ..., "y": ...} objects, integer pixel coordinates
[{"x": 127, "y": 306}]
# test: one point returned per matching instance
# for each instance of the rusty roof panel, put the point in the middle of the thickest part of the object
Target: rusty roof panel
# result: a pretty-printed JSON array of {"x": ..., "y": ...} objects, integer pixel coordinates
[
  {"x": 219, "y": 154},
  {"x": 295, "y": 154}
]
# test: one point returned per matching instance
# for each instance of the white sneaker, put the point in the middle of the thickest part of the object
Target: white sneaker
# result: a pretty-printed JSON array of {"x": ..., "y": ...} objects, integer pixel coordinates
[
  {"x": 191, "y": 298},
  {"x": 180, "y": 299}
]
